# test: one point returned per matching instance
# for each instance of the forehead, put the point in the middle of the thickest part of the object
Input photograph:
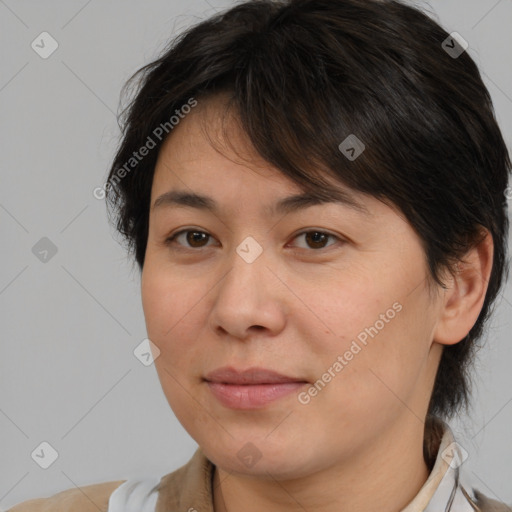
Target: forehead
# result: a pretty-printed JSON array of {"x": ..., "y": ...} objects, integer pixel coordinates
[
  {"x": 208, "y": 155},
  {"x": 211, "y": 139}
]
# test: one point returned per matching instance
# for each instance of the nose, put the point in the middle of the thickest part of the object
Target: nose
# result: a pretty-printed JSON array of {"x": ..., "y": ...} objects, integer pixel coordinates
[{"x": 249, "y": 299}]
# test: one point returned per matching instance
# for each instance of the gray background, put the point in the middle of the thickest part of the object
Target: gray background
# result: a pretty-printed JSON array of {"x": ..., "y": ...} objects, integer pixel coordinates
[{"x": 69, "y": 326}]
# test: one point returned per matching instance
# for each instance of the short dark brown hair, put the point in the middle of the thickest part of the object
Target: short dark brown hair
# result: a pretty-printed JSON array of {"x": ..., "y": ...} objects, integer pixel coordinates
[{"x": 302, "y": 76}]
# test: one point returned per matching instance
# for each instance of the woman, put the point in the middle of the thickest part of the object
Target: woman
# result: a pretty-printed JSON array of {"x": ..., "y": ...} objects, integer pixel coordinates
[{"x": 314, "y": 192}]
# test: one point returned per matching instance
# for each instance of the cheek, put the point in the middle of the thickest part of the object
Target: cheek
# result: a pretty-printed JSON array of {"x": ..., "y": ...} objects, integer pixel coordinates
[
  {"x": 168, "y": 302},
  {"x": 346, "y": 309},
  {"x": 175, "y": 308},
  {"x": 379, "y": 324},
  {"x": 384, "y": 363},
  {"x": 171, "y": 309}
]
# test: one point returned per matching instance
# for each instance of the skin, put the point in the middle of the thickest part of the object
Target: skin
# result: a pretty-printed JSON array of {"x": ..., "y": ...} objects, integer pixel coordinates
[{"x": 357, "y": 445}]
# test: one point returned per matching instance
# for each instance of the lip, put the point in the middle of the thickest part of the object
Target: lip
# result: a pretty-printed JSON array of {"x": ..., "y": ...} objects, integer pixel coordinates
[
  {"x": 254, "y": 375},
  {"x": 252, "y": 388}
]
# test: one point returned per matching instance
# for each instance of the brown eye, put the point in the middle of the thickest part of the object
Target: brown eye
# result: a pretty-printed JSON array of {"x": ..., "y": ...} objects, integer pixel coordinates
[
  {"x": 316, "y": 239},
  {"x": 194, "y": 239}
]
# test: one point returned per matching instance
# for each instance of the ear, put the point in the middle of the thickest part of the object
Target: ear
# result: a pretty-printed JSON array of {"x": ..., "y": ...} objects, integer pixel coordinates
[{"x": 465, "y": 293}]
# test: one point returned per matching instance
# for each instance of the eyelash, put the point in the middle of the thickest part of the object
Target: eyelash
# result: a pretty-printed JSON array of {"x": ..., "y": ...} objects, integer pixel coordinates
[{"x": 171, "y": 240}]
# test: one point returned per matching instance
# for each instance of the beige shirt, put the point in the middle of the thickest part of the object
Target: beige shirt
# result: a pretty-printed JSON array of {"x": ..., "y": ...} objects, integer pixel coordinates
[{"x": 189, "y": 488}]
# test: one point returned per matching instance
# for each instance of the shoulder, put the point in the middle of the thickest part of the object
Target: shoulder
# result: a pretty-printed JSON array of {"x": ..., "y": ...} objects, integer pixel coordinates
[
  {"x": 486, "y": 504},
  {"x": 89, "y": 498}
]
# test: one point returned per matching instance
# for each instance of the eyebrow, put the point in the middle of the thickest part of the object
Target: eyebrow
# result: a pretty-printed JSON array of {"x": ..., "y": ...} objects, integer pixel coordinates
[{"x": 283, "y": 206}]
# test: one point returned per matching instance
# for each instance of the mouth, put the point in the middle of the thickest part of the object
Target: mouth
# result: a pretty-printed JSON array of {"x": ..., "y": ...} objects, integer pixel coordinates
[{"x": 252, "y": 388}]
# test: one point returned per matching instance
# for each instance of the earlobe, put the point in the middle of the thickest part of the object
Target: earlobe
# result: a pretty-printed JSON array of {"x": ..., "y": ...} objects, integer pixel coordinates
[{"x": 465, "y": 293}]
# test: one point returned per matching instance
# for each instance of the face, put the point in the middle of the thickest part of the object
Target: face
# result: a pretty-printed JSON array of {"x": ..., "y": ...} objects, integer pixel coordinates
[{"x": 333, "y": 297}]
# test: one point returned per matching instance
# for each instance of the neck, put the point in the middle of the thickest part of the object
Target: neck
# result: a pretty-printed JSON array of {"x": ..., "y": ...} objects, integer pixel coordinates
[{"x": 385, "y": 475}]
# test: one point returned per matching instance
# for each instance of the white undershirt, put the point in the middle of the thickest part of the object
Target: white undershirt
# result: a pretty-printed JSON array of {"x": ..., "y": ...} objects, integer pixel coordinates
[{"x": 135, "y": 496}]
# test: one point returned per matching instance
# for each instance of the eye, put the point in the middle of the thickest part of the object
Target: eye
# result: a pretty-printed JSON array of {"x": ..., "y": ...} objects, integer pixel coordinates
[
  {"x": 194, "y": 237},
  {"x": 316, "y": 239}
]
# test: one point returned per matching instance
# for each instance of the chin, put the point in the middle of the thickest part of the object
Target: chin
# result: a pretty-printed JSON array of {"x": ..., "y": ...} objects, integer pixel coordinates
[{"x": 271, "y": 460}]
